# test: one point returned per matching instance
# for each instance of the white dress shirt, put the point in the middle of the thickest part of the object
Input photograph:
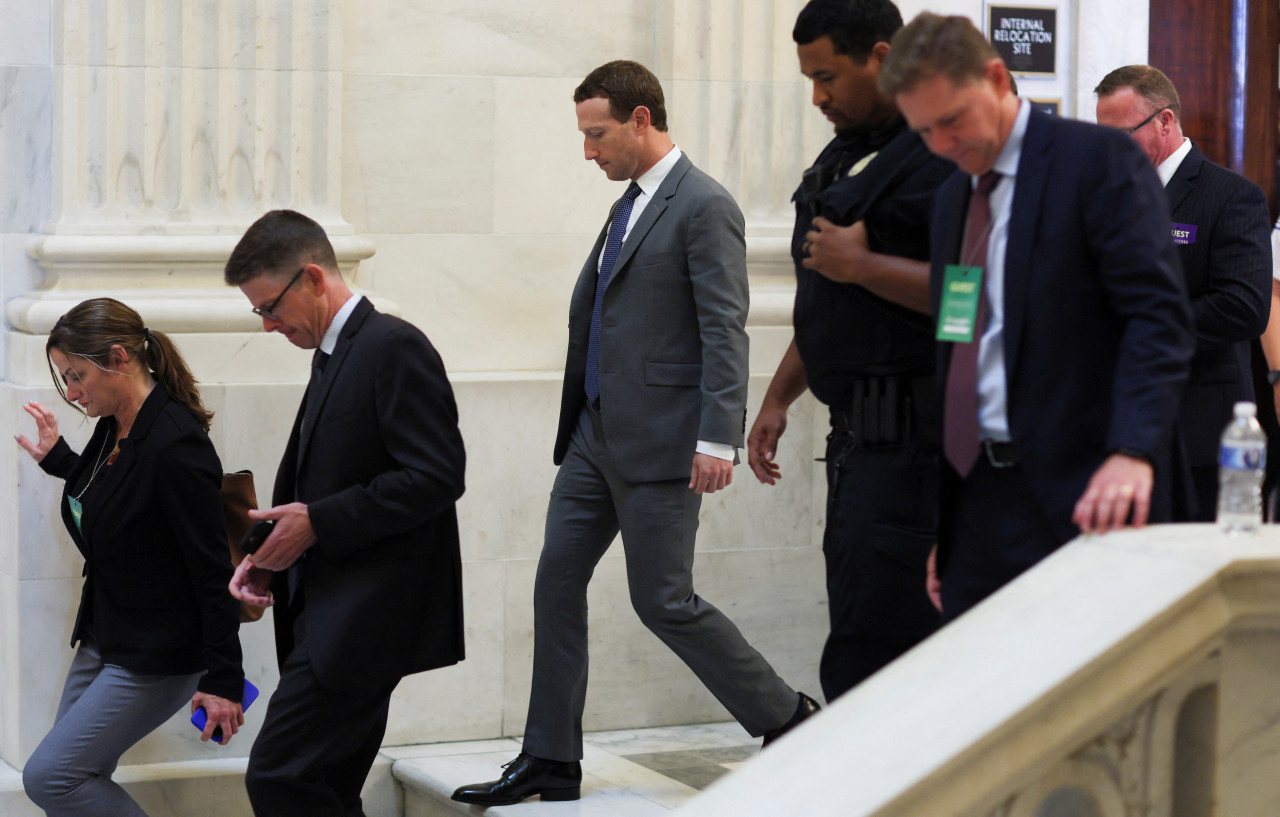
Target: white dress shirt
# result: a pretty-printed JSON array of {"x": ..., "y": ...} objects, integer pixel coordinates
[{"x": 993, "y": 408}]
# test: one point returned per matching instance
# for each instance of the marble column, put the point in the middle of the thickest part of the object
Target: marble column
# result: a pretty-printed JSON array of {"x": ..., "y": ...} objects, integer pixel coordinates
[
  {"x": 734, "y": 76},
  {"x": 175, "y": 124}
]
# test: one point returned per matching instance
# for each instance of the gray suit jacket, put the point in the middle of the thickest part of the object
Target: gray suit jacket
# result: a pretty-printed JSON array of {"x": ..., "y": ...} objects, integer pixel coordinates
[{"x": 673, "y": 342}]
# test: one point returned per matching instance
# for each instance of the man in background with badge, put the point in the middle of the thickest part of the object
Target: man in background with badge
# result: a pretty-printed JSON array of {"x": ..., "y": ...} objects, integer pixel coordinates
[
  {"x": 1222, "y": 228},
  {"x": 862, "y": 344},
  {"x": 1062, "y": 378}
]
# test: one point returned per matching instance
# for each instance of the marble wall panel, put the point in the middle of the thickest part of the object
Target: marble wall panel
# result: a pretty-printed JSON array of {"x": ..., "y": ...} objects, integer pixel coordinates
[
  {"x": 970, "y": 8},
  {"x": 727, "y": 40},
  {"x": 247, "y": 358},
  {"x": 509, "y": 430},
  {"x": 37, "y": 656},
  {"x": 542, "y": 182},
  {"x": 11, "y": 692},
  {"x": 752, "y": 515},
  {"x": 755, "y": 138},
  {"x": 25, "y": 36},
  {"x": 778, "y": 598},
  {"x": 26, "y": 145},
  {"x": 419, "y": 153},
  {"x": 253, "y": 427},
  {"x": 558, "y": 38},
  {"x": 488, "y": 303},
  {"x": 36, "y": 543},
  {"x": 463, "y": 701},
  {"x": 1110, "y": 35}
]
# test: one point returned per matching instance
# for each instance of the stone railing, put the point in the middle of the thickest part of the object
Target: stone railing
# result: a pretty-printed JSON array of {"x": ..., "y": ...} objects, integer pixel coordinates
[{"x": 1129, "y": 675}]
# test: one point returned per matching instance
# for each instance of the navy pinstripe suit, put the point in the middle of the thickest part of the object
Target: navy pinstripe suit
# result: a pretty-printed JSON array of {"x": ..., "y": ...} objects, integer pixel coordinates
[{"x": 1227, "y": 264}]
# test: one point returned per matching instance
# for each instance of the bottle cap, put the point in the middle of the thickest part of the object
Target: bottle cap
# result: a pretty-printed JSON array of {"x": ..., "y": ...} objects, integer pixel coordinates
[{"x": 1245, "y": 409}]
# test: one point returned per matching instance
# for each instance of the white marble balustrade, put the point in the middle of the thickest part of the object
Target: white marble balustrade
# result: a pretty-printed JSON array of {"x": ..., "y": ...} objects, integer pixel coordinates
[{"x": 1127, "y": 675}]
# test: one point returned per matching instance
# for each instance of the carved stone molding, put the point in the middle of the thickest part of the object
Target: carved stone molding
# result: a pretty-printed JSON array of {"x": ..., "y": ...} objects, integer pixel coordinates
[
  {"x": 174, "y": 281},
  {"x": 1124, "y": 753},
  {"x": 177, "y": 123}
]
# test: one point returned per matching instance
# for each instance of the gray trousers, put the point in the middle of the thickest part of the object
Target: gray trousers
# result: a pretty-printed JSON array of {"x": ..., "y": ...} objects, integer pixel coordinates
[
  {"x": 590, "y": 503},
  {"x": 104, "y": 710}
]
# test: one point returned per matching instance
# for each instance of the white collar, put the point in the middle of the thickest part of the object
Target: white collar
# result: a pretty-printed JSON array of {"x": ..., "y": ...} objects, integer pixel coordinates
[
  {"x": 330, "y": 340},
  {"x": 656, "y": 175},
  {"x": 1170, "y": 165},
  {"x": 1007, "y": 162}
]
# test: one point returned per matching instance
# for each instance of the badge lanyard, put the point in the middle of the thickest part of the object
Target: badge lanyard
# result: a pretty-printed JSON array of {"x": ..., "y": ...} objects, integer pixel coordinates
[{"x": 73, "y": 502}]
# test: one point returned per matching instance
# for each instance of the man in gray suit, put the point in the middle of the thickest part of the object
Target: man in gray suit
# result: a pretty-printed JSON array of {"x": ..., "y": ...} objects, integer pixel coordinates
[{"x": 653, "y": 408}]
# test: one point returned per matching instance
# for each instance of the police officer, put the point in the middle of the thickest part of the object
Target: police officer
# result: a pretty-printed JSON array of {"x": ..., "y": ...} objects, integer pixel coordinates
[{"x": 863, "y": 344}]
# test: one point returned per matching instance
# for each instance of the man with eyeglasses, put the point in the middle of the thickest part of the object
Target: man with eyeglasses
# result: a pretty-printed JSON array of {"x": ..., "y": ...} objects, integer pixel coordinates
[
  {"x": 1063, "y": 320},
  {"x": 363, "y": 565},
  {"x": 1221, "y": 227}
]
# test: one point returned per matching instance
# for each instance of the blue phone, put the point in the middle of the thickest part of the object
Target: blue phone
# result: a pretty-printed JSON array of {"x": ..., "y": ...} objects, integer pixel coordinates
[{"x": 200, "y": 717}]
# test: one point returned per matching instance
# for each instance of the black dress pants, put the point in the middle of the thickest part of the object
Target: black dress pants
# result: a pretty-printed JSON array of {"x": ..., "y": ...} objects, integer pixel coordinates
[
  {"x": 316, "y": 745},
  {"x": 881, "y": 524},
  {"x": 995, "y": 530}
]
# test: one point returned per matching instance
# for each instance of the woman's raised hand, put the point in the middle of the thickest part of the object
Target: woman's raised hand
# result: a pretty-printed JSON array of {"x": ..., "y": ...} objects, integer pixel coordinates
[{"x": 46, "y": 426}]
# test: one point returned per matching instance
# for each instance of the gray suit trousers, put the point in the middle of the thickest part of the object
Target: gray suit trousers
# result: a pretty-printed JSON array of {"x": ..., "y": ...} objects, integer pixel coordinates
[{"x": 590, "y": 504}]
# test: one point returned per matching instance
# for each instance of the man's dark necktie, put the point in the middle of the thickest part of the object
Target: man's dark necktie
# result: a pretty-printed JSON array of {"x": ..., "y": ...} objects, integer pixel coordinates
[
  {"x": 609, "y": 257},
  {"x": 960, "y": 418},
  {"x": 318, "y": 361}
]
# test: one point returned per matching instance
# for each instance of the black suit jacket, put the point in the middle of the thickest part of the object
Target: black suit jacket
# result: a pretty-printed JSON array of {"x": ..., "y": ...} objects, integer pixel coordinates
[
  {"x": 1097, "y": 327},
  {"x": 155, "y": 596},
  {"x": 1228, "y": 272},
  {"x": 380, "y": 467}
]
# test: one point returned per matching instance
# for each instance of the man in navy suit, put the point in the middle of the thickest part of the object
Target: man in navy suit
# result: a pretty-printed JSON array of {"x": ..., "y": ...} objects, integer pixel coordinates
[
  {"x": 1065, "y": 314},
  {"x": 1222, "y": 229}
]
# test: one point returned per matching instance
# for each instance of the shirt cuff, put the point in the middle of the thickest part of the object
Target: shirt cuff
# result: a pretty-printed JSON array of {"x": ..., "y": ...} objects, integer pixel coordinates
[
  {"x": 1275, "y": 248},
  {"x": 722, "y": 451}
]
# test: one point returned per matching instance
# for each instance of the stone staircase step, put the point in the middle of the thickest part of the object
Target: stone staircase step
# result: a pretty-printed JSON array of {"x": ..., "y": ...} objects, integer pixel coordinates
[{"x": 628, "y": 773}]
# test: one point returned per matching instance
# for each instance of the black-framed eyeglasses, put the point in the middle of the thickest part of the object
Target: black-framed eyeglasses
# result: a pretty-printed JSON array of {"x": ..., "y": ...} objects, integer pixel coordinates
[
  {"x": 1154, "y": 114},
  {"x": 269, "y": 311}
]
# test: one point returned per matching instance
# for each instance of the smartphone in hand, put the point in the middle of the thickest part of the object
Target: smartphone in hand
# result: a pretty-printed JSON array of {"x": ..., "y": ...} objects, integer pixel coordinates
[
  {"x": 199, "y": 718},
  {"x": 257, "y": 535}
]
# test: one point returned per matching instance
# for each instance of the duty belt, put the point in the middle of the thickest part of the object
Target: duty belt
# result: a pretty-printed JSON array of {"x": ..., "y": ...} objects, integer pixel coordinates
[{"x": 883, "y": 411}]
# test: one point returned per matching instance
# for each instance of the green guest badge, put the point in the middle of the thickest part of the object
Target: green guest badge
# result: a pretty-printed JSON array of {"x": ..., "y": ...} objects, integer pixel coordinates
[{"x": 961, "y": 292}]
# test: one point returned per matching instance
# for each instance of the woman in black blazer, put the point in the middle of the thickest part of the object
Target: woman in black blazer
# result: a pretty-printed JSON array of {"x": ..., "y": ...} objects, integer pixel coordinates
[{"x": 157, "y": 626}]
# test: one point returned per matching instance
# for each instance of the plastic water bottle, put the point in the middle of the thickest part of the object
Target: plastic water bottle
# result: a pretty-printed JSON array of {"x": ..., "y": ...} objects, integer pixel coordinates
[{"x": 1241, "y": 463}]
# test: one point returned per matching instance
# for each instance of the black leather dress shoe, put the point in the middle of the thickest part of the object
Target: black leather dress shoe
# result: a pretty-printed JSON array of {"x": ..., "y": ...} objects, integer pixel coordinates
[
  {"x": 524, "y": 777},
  {"x": 807, "y": 708}
]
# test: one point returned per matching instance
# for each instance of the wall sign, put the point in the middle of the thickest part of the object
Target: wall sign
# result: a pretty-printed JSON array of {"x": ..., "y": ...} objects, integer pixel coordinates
[
  {"x": 1025, "y": 37},
  {"x": 1047, "y": 105}
]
